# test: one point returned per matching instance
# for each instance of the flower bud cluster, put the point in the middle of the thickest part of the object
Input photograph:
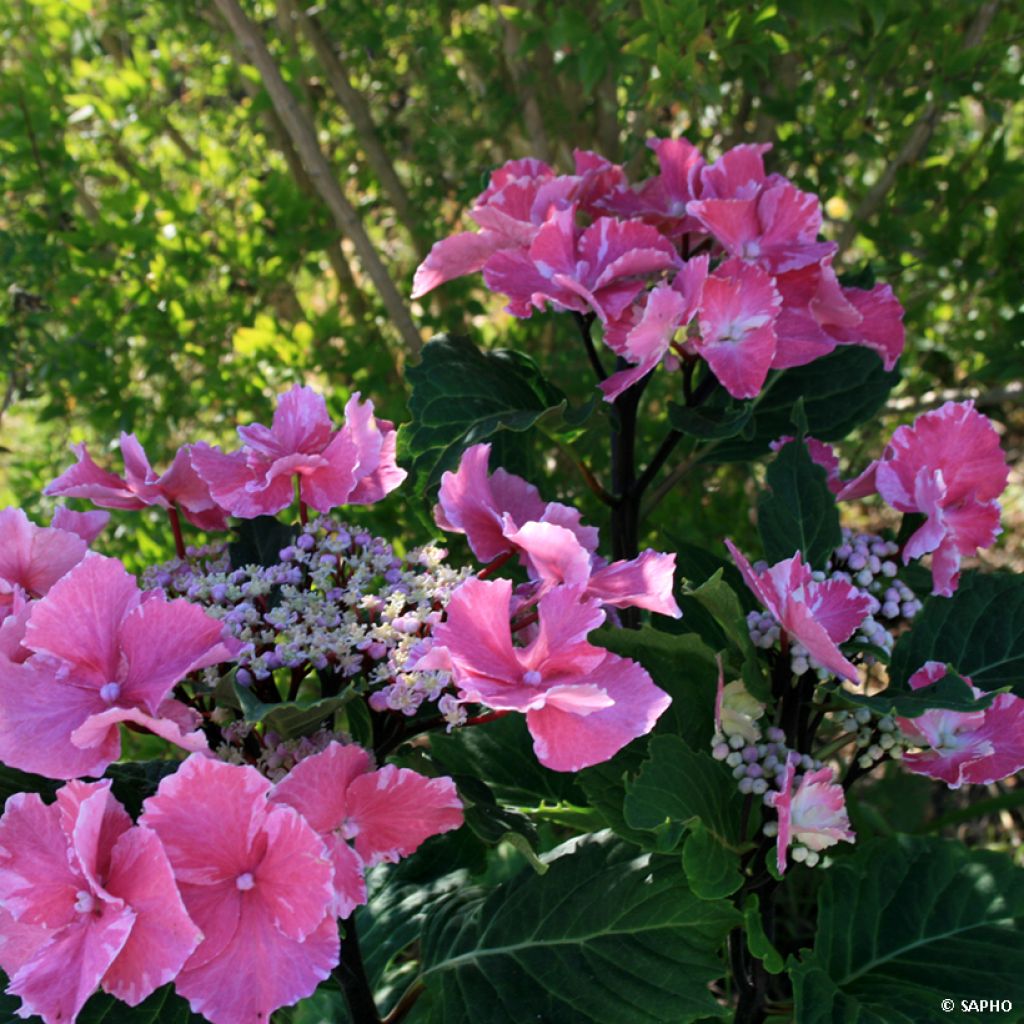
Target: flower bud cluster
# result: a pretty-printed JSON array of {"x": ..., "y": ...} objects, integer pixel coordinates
[
  {"x": 339, "y": 600},
  {"x": 278, "y": 755},
  {"x": 867, "y": 562},
  {"x": 877, "y": 736},
  {"x": 759, "y": 766}
]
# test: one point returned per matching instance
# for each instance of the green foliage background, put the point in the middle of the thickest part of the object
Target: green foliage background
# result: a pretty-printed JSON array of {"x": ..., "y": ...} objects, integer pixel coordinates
[{"x": 169, "y": 265}]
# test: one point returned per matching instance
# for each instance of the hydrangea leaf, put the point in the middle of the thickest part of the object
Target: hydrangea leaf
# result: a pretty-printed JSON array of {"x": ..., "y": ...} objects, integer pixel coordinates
[
  {"x": 757, "y": 941},
  {"x": 949, "y": 692},
  {"x": 840, "y": 391},
  {"x": 462, "y": 395},
  {"x": 893, "y": 912},
  {"x": 712, "y": 869},
  {"x": 979, "y": 631},
  {"x": 605, "y": 936},
  {"x": 709, "y": 423},
  {"x": 259, "y": 541},
  {"x": 797, "y": 511},
  {"x": 288, "y": 718}
]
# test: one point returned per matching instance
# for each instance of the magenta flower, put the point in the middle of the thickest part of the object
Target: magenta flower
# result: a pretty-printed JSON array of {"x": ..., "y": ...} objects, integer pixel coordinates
[
  {"x": 777, "y": 229},
  {"x": 737, "y": 174},
  {"x": 486, "y": 507},
  {"x": 820, "y": 615},
  {"x": 33, "y": 558},
  {"x": 646, "y": 337},
  {"x": 555, "y": 557},
  {"x": 582, "y": 704},
  {"x": 814, "y": 816},
  {"x": 88, "y": 525},
  {"x": 949, "y": 467},
  {"x": 818, "y": 314},
  {"x": 105, "y": 653},
  {"x": 366, "y": 817},
  {"x": 354, "y": 465},
  {"x": 140, "y": 487},
  {"x": 601, "y": 269},
  {"x": 87, "y": 901},
  {"x": 978, "y": 747},
  {"x": 256, "y": 879},
  {"x": 739, "y": 305}
]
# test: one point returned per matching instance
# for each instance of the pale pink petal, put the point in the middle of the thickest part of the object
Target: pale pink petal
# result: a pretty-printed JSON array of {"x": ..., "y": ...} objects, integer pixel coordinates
[
  {"x": 801, "y": 624},
  {"x": 93, "y": 821},
  {"x": 79, "y": 618},
  {"x": 259, "y": 970},
  {"x": 163, "y": 935},
  {"x": 349, "y": 880},
  {"x": 234, "y": 485},
  {"x": 552, "y": 553},
  {"x": 317, "y": 787},
  {"x": 100, "y": 730},
  {"x": 643, "y": 582},
  {"x": 372, "y": 487},
  {"x": 162, "y": 642},
  {"x": 737, "y": 172},
  {"x": 457, "y": 256},
  {"x": 567, "y": 741},
  {"x": 20, "y": 942},
  {"x": 38, "y": 882},
  {"x": 566, "y": 620},
  {"x": 35, "y": 557},
  {"x": 394, "y": 810},
  {"x": 761, "y": 588},
  {"x": 839, "y": 607},
  {"x": 818, "y": 817},
  {"x": 38, "y": 716},
  {"x": 88, "y": 525},
  {"x": 182, "y": 485},
  {"x": 881, "y": 324},
  {"x": 733, "y": 222},
  {"x": 56, "y": 983},
  {"x": 86, "y": 480}
]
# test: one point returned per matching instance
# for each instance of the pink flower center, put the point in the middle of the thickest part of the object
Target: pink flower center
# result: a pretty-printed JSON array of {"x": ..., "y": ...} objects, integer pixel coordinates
[
  {"x": 532, "y": 677},
  {"x": 245, "y": 881},
  {"x": 110, "y": 692},
  {"x": 349, "y": 829}
]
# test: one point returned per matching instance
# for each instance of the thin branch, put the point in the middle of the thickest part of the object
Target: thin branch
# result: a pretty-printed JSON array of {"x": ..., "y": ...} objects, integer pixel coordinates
[
  {"x": 916, "y": 142},
  {"x": 358, "y": 111},
  {"x": 303, "y": 134},
  {"x": 583, "y": 322}
]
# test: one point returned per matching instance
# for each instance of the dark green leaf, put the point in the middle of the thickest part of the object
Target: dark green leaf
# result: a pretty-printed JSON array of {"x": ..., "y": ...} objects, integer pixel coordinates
[
  {"x": 681, "y": 784},
  {"x": 757, "y": 942},
  {"x": 133, "y": 781},
  {"x": 462, "y": 395},
  {"x": 797, "y": 512},
  {"x": 289, "y": 718},
  {"x": 949, "y": 692},
  {"x": 606, "y": 936},
  {"x": 903, "y": 924},
  {"x": 259, "y": 541},
  {"x": 979, "y": 631},
  {"x": 708, "y": 423},
  {"x": 839, "y": 391},
  {"x": 712, "y": 869},
  {"x": 13, "y": 781}
]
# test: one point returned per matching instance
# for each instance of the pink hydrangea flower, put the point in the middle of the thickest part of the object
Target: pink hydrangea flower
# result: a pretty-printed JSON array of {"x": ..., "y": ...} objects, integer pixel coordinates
[
  {"x": 737, "y": 174},
  {"x": 739, "y": 305},
  {"x": 814, "y": 816},
  {"x": 601, "y": 269},
  {"x": 582, "y": 704},
  {"x": 646, "y": 337},
  {"x": 105, "y": 653},
  {"x": 257, "y": 880},
  {"x": 366, "y": 817},
  {"x": 33, "y": 558},
  {"x": 140, "y": 486},
  {"x": 820, "y": 615},
  {"x": 88, "y": 525},
  {"x": 777, "y": 229},
  {"x": 818, "y": 314},
  {"x": 354, "y": 465},
  {"x": 486, "y": 507},
  {"x": 977, "y": 746},
  {"x": 87, "y": 901},
  {"x": 555, "y": 557},
  {"x": 949, "y": 467}
]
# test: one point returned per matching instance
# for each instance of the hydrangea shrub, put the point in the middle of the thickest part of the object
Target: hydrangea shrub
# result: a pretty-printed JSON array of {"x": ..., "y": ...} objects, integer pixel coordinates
[{"x": 577, "y": 778}]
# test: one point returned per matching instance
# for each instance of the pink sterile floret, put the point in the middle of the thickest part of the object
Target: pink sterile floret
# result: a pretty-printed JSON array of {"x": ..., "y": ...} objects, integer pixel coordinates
[
  {"x": 818, "y": 314},
  {"x": 777, "y": 229},
  {"x": 645, "y": 334},
  {"x": 820, "y": 615},
  {"x": 480, "y": 505},
  {"x": 88, "y": 525},
  {"x": 814, "y": 816},
  {"x": 739, "y": 305},
  {"x": 601, "y": 269},
  {"x": 140, "y": 486},
  {"x": 86, "y": 901},
  {"x": 975, "y": 746},
  {"x": 33, "y": 558},
  {"x": 104, "y": 653},
  {"x": 949, "y": 467},
  {"x": 582, "y": 704},
  {"x": 257, "y": 880},
  {"x": 366, "y": 817},
  {"x": 354, "y": 465}
]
